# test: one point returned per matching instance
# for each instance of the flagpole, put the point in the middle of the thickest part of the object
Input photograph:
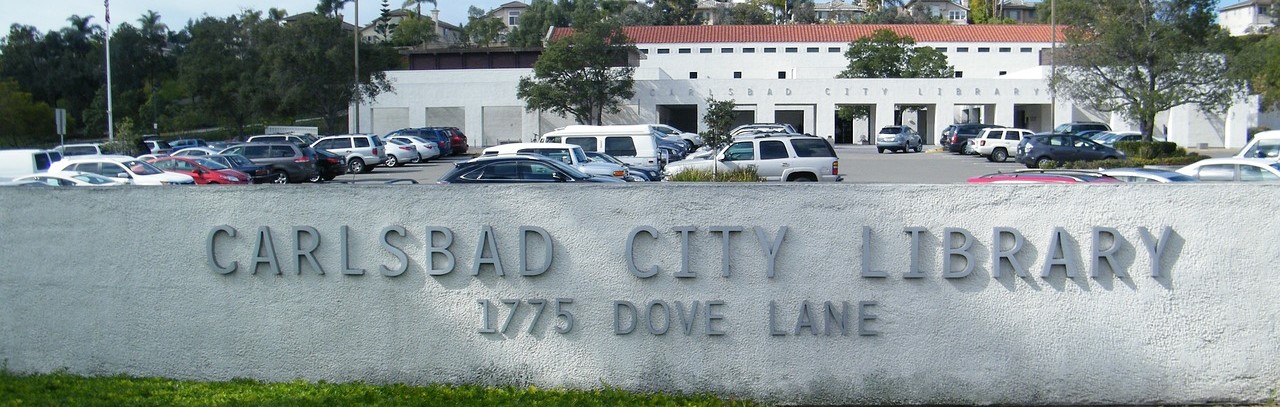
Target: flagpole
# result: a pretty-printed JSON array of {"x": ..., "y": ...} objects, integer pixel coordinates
[{"x": 111, "y": 133}]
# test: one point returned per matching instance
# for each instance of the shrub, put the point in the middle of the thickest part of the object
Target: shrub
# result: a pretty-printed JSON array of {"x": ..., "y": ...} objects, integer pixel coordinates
[
  {"x": 1152, "y": 149},
  {"x": 746, "y": 174},
  {"x": 1132, "y": 162}
]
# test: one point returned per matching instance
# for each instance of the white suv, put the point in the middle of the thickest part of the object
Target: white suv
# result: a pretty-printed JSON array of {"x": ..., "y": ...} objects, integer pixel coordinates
[
  {"x": 996, "y": 143},
  {"x": 775, "y": 157}
]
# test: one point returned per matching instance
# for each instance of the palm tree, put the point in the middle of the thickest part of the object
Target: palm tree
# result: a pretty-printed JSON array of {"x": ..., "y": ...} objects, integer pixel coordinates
[
  {"x": 418, "y": 3},
  {"x": 331, "y": 7}
]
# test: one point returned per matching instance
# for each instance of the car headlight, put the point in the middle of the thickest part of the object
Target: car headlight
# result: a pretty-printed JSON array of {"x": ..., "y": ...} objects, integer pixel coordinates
[{"x": 233, "y": 178}]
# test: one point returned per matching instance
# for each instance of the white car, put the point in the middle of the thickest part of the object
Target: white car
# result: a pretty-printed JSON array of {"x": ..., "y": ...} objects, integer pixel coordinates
[
  {"x": 1234, "y": 169},
  {"x": 71, "y": 179},
  {"x": 775, "y": 158},
  {"x": 122, "y": 168},
  {"x": 195, "y": 152},
  {"x": 400, "y": 153},
  {"x": 426, "y": 149},
  {"x": 1264, "y": 145},
  {"x": 997, "y": 142}
]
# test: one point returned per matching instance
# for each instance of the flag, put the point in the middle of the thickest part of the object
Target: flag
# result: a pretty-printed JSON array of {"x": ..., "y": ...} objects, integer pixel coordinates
[{"x": 107, "y": 5}]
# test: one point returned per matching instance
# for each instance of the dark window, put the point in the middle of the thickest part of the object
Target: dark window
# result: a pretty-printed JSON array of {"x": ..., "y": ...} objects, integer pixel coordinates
[
  {"x": 770, "y": 50},
  {"x": 941, "y": 49},
  {"x": 704, "y": 50},
  {"x": 772, "y": 150},
  {"x": 726, "y": 50},
  {"x": 42, "y": 161},
  {"x": 811, "y": 49},
  {"x": 620, "y": 146},
  {"x": 984, "y": 49},
  {"x": 782, "y": 74},
  {"x": 281, "y": 152},
  {"x": 256, "y": 151},
  {"x": 664, "y": 51},
  {"x": 962, "y": 49},
  {"x": 792, "y": 50},
  {"x": 362, "y": 142},
  {"x": 1024, "y": 49},
  {"x": 693, "y": 75},
  {"x": 1003, "y": 72},
  {"x": 587, "y": 143},
  {"x": 737, "y": 75},
  {"x": 748, "y": 50},
  {"x": 959, "y": 74},
  {"x": 1012, "y": 135},
  {"x": 833, "y": 49},
  {"x": 1006, "y": 49},
  {"x": 812, "y": 148},
  {"x": 685, "y": 50},
  {"x": 740, "y": 152},
  {"x": 644, "y": 50}
]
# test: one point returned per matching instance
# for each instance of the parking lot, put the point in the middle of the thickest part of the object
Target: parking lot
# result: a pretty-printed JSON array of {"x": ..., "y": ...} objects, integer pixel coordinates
[{"x": 859, "y": 164}]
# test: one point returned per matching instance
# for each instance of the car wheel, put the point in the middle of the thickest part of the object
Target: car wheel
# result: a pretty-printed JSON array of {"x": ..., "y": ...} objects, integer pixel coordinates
[
  {"x": 1043, "y": 162},
  {"x": 314, "y": 178},
  {"x": 279, "y": 177},
  {"x": 329, "y": 177},
  {"x": 689, "y": 145},
  {"x": 803, "y": 178},
  {"x": 999, "y": 155},
  {"x": 919, "y": 147},
  {"x": 392, "y": 161},
  {"x": 1109, "y": 158},
  {"x": 355, "y": 166},
  {"x": 879, "y": 150}
]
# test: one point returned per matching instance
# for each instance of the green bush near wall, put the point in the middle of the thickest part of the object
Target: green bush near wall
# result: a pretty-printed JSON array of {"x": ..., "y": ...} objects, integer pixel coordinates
[
  {"x": 1151, "y": 149},
  {"x": 62, "y": 389},
  {"x": 747, "y": 174},
  {"x": 1129, "y": 163}
]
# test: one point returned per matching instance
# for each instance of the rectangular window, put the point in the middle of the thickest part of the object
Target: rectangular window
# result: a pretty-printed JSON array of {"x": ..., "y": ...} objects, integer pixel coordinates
[
  {"x": 773, "y": 150},
  {"x": 958, "y": 49},
  {"x": 644, "y": 51},
  {"x": 792, "y": 50},
  {"x": 748, "y": 50},
  {"x": 1024, "y": 49},
  {"x": 737, "y": 75},
  {"x": 620, "y": 146},
  {"x": 664, "y": 51},
  {"x": 833, "y": 49},
  {"x": 782, "y": 74},
  {"x": 704, "y": 50},
  {"x": 770, "y": 50},
  {"x": 984, "y": 49},
  {"x": 587, "y": 143},
  {"x": 513, "y": 18},
  {"x": 941, "y": 49},
  {"x": 1002, "y": 73},
  {"x": 959, "y": 74},
  {"x": 693, "y": 75},
  {"x": 811, "y": 49},
  {"x": 726, "y": 50},
  {"x": 685, "y": 50},
  {"x": 1006, "y": 49}
]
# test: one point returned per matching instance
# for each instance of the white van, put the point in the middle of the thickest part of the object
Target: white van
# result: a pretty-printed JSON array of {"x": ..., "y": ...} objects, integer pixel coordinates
[
  {"x": 16, "y": 163},
  {"x": 1265, "y": 144},
  {"x": 633, "y": 144}
]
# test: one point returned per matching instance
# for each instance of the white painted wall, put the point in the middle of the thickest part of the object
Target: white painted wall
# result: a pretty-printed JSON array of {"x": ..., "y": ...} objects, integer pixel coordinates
[{"x": 116, "y": 290}]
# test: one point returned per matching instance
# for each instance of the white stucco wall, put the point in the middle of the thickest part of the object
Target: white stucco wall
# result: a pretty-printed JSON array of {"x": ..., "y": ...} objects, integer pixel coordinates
[{"x": 95, "y": 282}]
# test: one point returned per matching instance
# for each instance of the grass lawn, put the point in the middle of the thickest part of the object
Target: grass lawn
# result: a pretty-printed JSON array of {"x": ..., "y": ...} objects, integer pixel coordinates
[{"x": 62, "y": 389}]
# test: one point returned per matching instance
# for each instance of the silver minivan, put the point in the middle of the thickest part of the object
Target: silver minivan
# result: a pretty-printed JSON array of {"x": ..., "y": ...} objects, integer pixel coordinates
[{"x": 362, "y": 151}]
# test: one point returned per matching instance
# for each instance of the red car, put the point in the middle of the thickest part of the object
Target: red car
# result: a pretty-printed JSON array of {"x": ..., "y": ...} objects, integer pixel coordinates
[
  {"x": 1043, "y": 177},
  {"x": 458, "y": 140},
  {"x": 203, "y": 170}
]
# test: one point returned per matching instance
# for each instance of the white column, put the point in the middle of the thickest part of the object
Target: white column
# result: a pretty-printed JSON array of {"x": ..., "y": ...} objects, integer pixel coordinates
[
  {"x": 824, "y": 120},
  {"x": 883, "y": 117},
  {"x": 1004, "y": 114},
  {"x": 944, "y": 114}
]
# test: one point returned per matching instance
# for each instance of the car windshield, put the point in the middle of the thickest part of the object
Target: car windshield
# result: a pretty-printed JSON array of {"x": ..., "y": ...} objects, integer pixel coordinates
[
  {"x": 141, "y": 167},
  {"x": 1265, "y": 148},
  {"x": 605, "y": 158},
  {"x": 399, "y": 142},
  {"x": 213, "y": 165},
  {"x": 94, "y": 179}
]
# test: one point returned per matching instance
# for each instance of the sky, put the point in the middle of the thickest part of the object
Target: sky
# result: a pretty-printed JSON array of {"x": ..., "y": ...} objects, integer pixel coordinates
[{"x": 48, "y": 15}]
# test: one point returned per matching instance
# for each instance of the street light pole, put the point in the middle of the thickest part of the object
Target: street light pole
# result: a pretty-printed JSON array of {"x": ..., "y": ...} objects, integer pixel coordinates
[
  {"x": 356, "y": 88},
  {"x": 1053, "y": 64}
]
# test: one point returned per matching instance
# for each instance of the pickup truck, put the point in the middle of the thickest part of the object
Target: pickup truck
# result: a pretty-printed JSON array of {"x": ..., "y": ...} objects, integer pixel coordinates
[{"x": 996, "y": 143}]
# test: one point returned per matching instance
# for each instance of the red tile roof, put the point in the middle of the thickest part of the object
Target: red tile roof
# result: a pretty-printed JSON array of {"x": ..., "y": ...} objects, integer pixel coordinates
[{"x": 831, "y": 33}]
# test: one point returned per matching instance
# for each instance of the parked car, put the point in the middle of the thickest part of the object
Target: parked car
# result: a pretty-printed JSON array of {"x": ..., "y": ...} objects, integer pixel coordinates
[
  {"x": 640, "y": 173},
  {"x": 70, "y": 179},
  {"x": 330, "y": 165},
  {"x": 1043, "y": 177},
  {"x": 775, "y": 158},
  {"x": 898, "y": 138},
  {"x": 68, "y": 150},
  {"x": 1265, "y": 144},
  {"x": 426, "y": 149},
  {"x": 1037, "y": 151},
  {"x": 1111, "y": 138},
  {"x": 764, "y": 128},
  {"x": 401, "y": 153},
  {"x": 362, "y": 151},
  {"x": 995, "y": 143},
  {"x": 258, "y": 174},
  {"x": 187, "y": 143},
  {"x": 195, "y": 152},
  {"x": 442, "y": 138},
  {"x": 289, "y": 162},
  {"x": 203, "y": 171},
  {"x": 691, "y": 140},
  {"x": 1146, "y": 175},
  {"x": 122, "y": 168},
  {"x": 158, "y": 147},
  {"x": 634, "y": 144},
  {"x": 1077, "y": 127},
  {"x": 16, "y": 163},
  {"x": 1233, "y": 169},
  {"x": 518, "y": 168},
  {"x": 457, "y": 141},
  {"x": 954, "y": 137},
  {"x": 569, "y": 154}
]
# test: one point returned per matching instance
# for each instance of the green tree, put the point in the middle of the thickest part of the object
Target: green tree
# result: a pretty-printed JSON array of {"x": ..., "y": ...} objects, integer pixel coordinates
[
  {"x": 583, "y": 75},
  {"x": 418, "y": 4},
  {"x": 414, "y": 32},
  {"x": 24, "y": 122},
  {"x": 719, "y": 120},
  {"x": 1258, "y": 64},
  {"x": 1141, "y": 57},
  {"x": 885, "y": 54},
  {"x": 311, "y": 67},
  {"x": 225, "y": 71},
  {"x": 980, "y": 12},
  {"x": 749, "y": 13},
  {"x": 534, "y": 22},
  {"x": 481, "y": 30}
]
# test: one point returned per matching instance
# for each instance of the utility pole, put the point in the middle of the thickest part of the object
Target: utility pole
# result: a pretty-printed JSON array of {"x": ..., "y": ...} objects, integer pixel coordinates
[
  {"x": 1053, "y": 64},
  {"x": 111, "y": 132},
  {"x": 356, "y": 88}
]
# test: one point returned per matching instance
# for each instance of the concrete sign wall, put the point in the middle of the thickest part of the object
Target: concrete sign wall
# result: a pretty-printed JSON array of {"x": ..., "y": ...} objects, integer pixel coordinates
[{"x": 786, "y": 293}]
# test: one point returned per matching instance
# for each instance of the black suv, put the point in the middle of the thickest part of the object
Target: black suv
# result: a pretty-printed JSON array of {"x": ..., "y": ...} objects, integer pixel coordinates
[{"x": 955, "y": 136}]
